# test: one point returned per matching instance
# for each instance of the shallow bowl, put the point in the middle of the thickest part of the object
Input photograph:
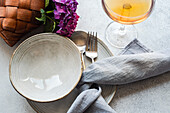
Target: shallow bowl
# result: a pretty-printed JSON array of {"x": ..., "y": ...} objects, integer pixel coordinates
[{"x": 45, "y": 67}]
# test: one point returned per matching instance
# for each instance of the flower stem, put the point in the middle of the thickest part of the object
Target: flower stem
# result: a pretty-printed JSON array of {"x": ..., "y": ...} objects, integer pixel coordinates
[{"x": 54, "y": 23}]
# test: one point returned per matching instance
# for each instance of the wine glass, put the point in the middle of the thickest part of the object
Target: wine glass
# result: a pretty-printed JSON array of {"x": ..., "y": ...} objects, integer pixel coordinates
[{"x": 125, "y": 12}]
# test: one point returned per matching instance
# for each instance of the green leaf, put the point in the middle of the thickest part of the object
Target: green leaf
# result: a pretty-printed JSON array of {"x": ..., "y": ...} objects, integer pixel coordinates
[
  {"x": 49, "y": 11},
  {"x": 40, "y": 19},
  {"x": 42, "y": 11},
  {"x": 47, "y": 3}
]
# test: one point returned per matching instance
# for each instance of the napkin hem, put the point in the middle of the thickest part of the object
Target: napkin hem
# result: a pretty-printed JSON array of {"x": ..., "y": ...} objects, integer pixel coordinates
[{"x": 135, "y": 41}]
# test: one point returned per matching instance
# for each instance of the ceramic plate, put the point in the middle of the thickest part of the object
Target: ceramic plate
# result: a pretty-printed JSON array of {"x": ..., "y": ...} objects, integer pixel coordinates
[
  {"x": 61, "y": 106},
  {"x": 41, "y": 68}
]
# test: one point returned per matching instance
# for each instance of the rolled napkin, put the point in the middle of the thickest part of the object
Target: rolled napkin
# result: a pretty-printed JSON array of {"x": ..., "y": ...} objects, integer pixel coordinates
[{"x": 136, "y": 63}]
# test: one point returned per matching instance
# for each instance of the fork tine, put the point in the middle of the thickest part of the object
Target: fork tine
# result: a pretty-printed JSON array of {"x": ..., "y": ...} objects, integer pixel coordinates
[
  {"x": 91, "y": 46},
  {"x": 95, "y": 42},
  {"x": 87, "y": 42},
  {"x": 90, "y": 42}
]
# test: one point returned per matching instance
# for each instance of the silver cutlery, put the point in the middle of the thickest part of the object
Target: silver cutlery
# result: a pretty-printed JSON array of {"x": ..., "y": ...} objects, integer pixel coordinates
[
  {"x": 82, "y": 51},
  {"x": 80, "y": 40},
  {"x": 91, "y": 46}
]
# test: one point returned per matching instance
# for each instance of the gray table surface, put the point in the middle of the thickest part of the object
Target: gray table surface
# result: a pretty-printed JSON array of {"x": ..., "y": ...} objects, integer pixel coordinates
[{"x": 148, "y": 96}]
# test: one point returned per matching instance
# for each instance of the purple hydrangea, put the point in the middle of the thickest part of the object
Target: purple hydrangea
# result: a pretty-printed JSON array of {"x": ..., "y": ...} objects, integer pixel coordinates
[{"x": 65, "y": 13}]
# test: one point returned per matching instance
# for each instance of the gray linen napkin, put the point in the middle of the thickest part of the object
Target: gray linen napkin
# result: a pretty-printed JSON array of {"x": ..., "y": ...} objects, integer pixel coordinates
[{"x": 135, "y": 63}]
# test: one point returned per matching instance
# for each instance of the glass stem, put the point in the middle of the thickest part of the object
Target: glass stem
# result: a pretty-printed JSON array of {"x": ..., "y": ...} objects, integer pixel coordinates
[{"x": 122, "y": 30}]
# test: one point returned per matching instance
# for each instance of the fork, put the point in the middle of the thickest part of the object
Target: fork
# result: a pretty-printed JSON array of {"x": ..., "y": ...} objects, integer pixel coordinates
[{"x": 91, "y": 46}]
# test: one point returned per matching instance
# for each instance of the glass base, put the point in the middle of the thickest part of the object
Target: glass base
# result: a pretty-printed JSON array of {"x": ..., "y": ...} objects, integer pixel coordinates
[{"x": 119, "y": 35}]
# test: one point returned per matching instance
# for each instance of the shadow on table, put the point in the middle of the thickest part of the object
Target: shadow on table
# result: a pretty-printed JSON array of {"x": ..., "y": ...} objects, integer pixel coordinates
[
  {"x": 140, "y": 86},
  {"x": 34, "y": 32},
  {"x": 7, "y": 50}
]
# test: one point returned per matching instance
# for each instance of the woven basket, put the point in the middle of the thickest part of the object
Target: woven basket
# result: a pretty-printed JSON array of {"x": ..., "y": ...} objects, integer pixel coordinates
[{"x": 17, "y": 17}]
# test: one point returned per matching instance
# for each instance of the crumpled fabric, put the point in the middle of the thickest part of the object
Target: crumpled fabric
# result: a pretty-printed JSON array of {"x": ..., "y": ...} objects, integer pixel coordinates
[{"x": 135, "y": 62}]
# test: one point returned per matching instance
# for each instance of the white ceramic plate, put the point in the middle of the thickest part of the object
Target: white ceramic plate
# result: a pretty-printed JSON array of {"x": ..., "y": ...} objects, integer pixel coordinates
[
  {"x": 41, "y": 68},
  {"x": 61, "y": 106}
]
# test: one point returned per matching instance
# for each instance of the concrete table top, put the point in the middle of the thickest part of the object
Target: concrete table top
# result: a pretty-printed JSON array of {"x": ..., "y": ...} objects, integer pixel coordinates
[{"x": 147, "y": 96}]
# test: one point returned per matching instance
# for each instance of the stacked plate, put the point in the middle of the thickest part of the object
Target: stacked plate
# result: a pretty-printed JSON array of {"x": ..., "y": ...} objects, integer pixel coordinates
[{"x": 47, "y": 67}]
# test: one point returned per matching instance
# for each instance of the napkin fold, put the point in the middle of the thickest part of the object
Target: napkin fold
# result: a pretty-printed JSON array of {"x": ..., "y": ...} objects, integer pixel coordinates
[{"x": 135, "y": 62}]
